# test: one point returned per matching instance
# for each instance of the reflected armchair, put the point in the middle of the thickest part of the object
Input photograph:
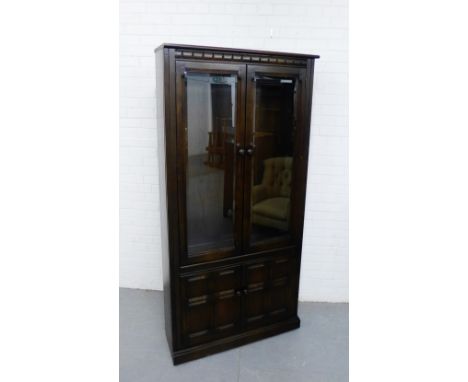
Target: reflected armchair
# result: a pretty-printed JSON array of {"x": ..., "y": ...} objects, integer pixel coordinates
[{"x": 271, "y": 198}]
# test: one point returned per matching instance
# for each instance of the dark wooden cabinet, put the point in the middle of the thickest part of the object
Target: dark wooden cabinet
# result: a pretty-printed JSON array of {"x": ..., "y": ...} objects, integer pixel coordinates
[{"x": 233, "y": 133}]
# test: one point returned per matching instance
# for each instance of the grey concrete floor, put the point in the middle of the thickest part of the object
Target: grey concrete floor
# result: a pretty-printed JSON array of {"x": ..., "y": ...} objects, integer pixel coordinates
[{"x": 316, "y": 352}]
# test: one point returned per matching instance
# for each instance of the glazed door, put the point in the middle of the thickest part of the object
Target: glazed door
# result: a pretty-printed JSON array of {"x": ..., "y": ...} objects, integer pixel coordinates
[
  {"x": 210, "y": 99},
  {"x": 274, "y": 130}
]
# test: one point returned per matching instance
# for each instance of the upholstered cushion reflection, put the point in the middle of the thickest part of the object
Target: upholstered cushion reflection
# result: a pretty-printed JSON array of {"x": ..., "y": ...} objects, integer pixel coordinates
[
  {"x": 271, "y": 198},
  {"x": 276, "y": 208}
]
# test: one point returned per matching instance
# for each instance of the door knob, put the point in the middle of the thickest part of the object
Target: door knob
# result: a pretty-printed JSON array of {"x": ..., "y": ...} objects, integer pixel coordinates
[{"x": 241, "y": 151}]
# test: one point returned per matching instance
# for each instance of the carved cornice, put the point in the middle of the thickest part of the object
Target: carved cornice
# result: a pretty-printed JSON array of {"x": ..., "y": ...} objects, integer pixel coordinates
[{"x": 242, "y": 57}]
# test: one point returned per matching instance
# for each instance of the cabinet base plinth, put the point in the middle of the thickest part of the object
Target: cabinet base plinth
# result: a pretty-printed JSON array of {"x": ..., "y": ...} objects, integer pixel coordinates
[{"x": 228, "y": 343}]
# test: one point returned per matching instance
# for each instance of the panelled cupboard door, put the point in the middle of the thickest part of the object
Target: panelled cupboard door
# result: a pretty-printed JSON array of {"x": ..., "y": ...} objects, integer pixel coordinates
[
  {"x": 210, "y": 99},
  {"x": 211, "y": 305},
  {"x": 226, "y": 301},
  {"x": 275, "y": 129},
  {"x": 269, "y": 291}
]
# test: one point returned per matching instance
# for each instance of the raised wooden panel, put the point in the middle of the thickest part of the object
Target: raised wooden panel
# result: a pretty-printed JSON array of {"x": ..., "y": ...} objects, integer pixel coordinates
[
  {"x": 196, "y": 286},
  {"x": 197, "y": 320},
  {"x": 226, "y": 280},
  {"x": 282, "y": 276},
  {"x": 281, "y": 266},
  {"x": 256, "y": 274},
  {"x": 227, "y": 312},
  {"x": 256, "y": 278}
]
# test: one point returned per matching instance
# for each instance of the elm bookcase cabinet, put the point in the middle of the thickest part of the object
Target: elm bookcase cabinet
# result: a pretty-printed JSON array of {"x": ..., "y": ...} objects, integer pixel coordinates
[{"x": 233, "y": 133}]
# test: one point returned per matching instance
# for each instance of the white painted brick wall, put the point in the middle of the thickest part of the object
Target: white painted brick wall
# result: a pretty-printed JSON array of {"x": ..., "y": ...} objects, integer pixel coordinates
[{"x": 314, "y": 26}]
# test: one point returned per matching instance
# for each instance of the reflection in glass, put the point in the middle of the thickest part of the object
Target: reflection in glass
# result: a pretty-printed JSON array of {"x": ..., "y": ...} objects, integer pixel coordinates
[
  {"x": 272, "y": 165},
  {"x": 211, "y": 105}
]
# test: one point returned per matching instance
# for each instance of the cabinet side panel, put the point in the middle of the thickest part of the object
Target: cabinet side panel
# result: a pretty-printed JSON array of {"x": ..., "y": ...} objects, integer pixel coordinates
[
  {"x": 307, "y": 99},
  {"x": 160, "y": 121}
]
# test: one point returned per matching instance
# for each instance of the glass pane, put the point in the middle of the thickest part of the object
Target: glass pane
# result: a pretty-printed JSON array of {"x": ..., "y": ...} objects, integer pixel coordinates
[
  {"x": 211, "y": 110},
  {"x": 273, "y": 138}
]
